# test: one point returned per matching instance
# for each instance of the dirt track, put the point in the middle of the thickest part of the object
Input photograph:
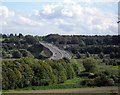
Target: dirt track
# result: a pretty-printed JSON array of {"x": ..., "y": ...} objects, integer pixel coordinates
[{"x": 77, "y": 90}]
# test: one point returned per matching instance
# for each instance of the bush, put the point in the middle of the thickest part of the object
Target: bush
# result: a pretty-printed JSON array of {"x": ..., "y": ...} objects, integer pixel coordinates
[
  {"x": 98, "y": 81},
  {"x": 83, "y": 74},
  {"x": 67, "y": 60},
  {"x": 44, "y": 82},
  {"x": 118, "y": 63},
  {"x": 103, "y": 81},
  {"x": 101, "y": 55},
  {"x": 92, "y": 75},
  {"x": 16, "y": 54},
  {"x": 76, "y": 68},
  {"x": 106, "y": 72},
  {"x": 112, "y": 55},
  {"x": 115, "y": 78},
  {"x": 112, "y": 62},
  {"x": 25, "y": 53},
  {"x": 88, "y": 82},
  {"x": 79, "y": 55},
  {"x": 87, "y": 54},
  {"x": 90, "y": 65},
  {"x": 110, "y": 82}
]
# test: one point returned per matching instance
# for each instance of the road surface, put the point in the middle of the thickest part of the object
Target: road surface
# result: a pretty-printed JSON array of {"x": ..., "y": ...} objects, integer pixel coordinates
[
  {"x": 57, "y": 53},
  {"x": 75, "y": 90}
]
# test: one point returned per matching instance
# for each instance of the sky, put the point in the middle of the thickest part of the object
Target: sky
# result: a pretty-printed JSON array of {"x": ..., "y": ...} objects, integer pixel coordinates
[{"x": 64, "y": 17}]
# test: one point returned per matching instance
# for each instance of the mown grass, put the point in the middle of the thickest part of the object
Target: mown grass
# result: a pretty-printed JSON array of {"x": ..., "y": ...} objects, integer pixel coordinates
[
  {"x": 43, "y": 53},
  {"x": 55, "y": 86},
  {"x": 2, "y": 39},
  {"x": 71, "y": 81},
  {"x": 69, "y": 84}
]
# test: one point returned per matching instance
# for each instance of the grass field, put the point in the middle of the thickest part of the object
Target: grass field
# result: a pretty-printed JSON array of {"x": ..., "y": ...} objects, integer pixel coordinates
[
  {"x": 43, "y": 53},
  {"x": 9, "y": 59},
  {"x": 2, "y": 39},
  {"x": 69, "y": 84}
]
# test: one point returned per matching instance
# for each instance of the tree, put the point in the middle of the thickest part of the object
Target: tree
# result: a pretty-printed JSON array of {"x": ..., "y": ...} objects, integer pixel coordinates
[
  {"x": 11, "y": 35},
  {"x": 101, "y": 55},
  {"x": 31, "y": 39},
  {"x": 90, "y": 65},
  {"x": 76, "y": 68},
  {"x": 67, "y": 60},
  {"x": 70, "y": 71},
  {"x": 112, "y": 55},
  {"x": 78, "y": 55},
  {"x": 18, "y": 75},
  {"x": 103, "y": 81},
  {"x": 87, "y": 54},
  {"x": 12, "y": 78},
  {"x": 20, "y": 35},
  {"x": 16, "y": 54},
  {"x": 25, "y": 53},
  {"x": 13, "y": 39},
  {"x": 4, "y": 36},
  {"x": 81, "y": 43}
]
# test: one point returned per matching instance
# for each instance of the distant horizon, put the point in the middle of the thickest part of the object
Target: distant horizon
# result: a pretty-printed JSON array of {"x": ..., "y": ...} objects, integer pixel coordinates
[{"x": 61, "y": 34}]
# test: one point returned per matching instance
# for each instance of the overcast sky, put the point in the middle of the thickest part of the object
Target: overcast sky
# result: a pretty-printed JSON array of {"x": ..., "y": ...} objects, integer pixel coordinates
[{"x": 71, "y": 17}]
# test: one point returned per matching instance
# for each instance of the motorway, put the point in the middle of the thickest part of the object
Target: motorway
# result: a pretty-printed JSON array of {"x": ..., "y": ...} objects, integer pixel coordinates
[{"x": 57, "y": 53}]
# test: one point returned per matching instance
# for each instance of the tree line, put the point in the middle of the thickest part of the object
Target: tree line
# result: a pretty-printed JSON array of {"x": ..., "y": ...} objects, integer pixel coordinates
[
  {"x": 76, "y": 44},
  {"x": 81, "y": 44},
  {"x": 33, "y": 72},
  {"x": 82, "y": 40},
  {"x": 17, "y": 46}
]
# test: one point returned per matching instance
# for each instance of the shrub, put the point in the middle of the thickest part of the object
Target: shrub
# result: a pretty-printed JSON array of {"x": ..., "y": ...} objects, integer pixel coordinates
[
  {"x": 76, "y": 68},
  {"x": 110, "y": 82},
  {"x": 67, "y": 60},
  {"x": 25, "y": 53},
  {"x": 83, "y": 74},
  {"x": 118, "y": 63},
  {"x": 92, "y": 75},
  {"x": 90, "y": 65},
  {"x": 16, "y": 54},
  {"x": 103, "y": 81},
  {"x": 115, "y": 78},
  {"x": 88, "y": 82},
  {"x": 44, "y": 82},
  {"x": 112, "y": 55},
  {"x": 112, "y": 62},
  {"x": 87, "y": 54},
  {"x": 101, "y": 55},
  {"x": 106, "y": 72},
  {"x": 79, "y": 55}
]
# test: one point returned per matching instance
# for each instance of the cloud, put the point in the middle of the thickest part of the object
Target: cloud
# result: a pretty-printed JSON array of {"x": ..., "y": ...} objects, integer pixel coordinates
[
  {"x": 98, "y": 1},
  {"x": 30, "y": 22},
  {"x": 67, "y": 12},
  {"x": 36, "y": 12},
  {"x": 69, "y": 17},
  {"x": 5, "y": 13}
]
